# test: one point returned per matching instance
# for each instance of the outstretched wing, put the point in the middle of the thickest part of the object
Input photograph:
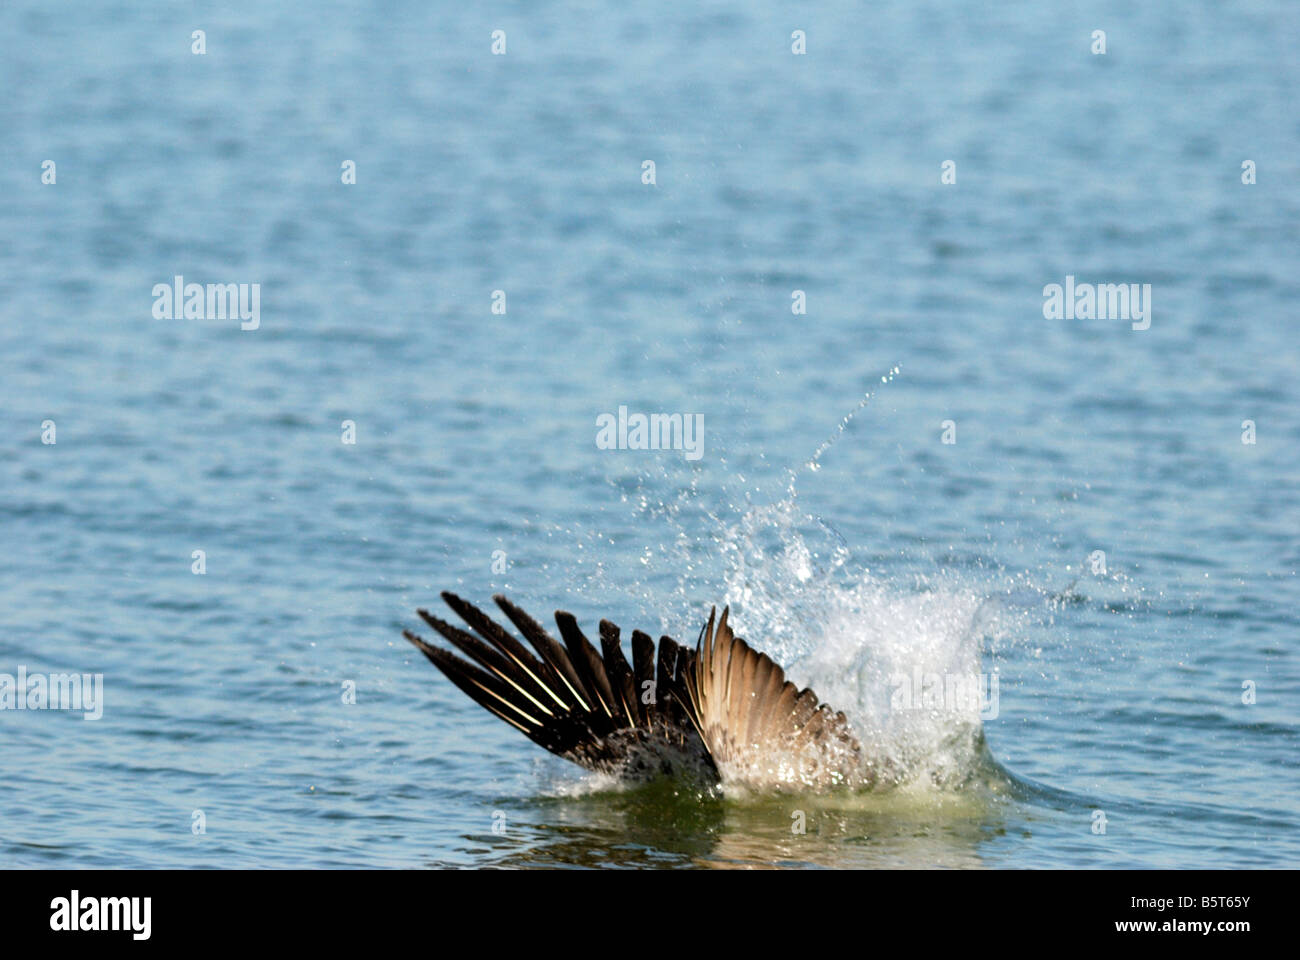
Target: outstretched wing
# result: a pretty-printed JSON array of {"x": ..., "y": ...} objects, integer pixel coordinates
[
  {"x": 759, "y": 728},
  {"x": 721, "y": 712},
  {"x": 598, "y": 711}
]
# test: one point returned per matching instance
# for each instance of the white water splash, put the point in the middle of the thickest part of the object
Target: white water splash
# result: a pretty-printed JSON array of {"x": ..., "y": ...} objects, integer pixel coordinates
[
  {"x": 851, "y": 636},
  {"x": 814, "y": 463}
]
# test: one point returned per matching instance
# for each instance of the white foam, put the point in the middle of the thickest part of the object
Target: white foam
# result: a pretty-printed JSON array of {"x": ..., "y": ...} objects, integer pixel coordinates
[{"x": 852, "y": 636}]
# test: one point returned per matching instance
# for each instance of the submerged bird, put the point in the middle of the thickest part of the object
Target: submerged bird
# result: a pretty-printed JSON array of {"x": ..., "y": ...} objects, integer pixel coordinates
[{"x": 722, "y": 713}]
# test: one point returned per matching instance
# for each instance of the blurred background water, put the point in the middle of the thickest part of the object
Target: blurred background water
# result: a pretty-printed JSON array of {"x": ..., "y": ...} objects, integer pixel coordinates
[{"x": 1119, "y": 691}]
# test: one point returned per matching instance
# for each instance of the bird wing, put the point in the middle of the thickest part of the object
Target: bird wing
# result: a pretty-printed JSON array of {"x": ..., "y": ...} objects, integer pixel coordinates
[
  {"x": 759, "y": 728},
  {"x": 597, "y": 710},
  {"x": 723, "y": 711}
]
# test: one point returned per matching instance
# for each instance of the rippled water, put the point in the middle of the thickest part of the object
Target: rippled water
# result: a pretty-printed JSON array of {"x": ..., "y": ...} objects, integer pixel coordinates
[{"x": 1120, "y": 691}]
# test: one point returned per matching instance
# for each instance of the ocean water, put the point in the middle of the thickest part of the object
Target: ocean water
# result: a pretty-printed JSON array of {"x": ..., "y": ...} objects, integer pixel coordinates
[{"x": 1099, "y": 538}]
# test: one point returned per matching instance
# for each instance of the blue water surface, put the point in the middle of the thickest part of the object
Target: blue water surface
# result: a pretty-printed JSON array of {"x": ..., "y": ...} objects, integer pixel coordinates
[{"x": 1124, "y": 687}]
